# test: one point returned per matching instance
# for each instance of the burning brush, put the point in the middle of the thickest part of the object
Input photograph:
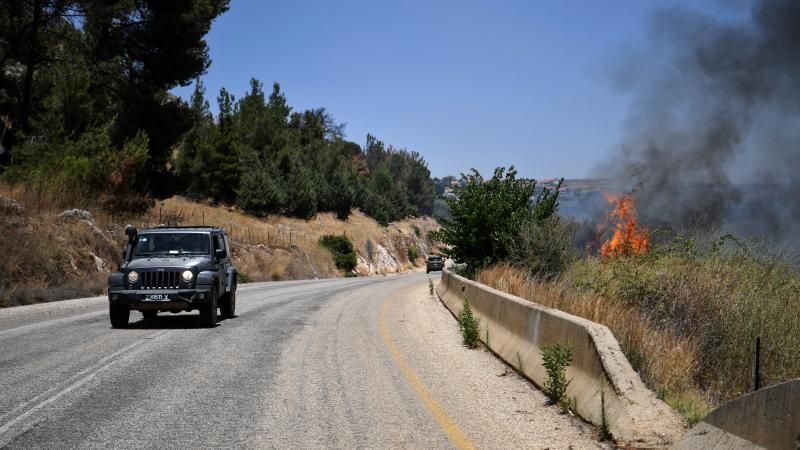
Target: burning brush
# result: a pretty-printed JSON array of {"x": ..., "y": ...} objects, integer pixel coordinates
[{"x": 629, "y": 237}]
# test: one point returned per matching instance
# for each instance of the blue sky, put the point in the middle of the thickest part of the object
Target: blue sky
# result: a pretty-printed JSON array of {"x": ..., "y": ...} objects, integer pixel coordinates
[{"x": 466, "y": 83}]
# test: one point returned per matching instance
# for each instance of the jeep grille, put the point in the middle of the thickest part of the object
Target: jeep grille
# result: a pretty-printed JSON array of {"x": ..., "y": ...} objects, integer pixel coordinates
[{"x": 168, "y": 279}]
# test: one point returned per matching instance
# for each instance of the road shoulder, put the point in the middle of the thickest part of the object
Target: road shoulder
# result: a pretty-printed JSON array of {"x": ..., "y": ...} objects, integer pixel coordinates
[{"x": 493, "y": 406}]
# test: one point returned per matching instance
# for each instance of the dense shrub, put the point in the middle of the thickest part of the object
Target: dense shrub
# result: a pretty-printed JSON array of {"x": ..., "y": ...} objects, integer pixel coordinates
[
  {"x": 413, "y": 253},
  {"x": 545, "y": 248},
  {"x": 489, "y": 214},
  {"x": 344, "y": 254}
]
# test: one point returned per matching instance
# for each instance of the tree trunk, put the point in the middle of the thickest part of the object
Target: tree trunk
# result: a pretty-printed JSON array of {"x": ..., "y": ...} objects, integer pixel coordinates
[{"x": 30, "y": 66}]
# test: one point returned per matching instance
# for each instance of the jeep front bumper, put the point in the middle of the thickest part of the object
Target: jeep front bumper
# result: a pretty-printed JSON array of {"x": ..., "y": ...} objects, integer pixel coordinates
[{"x": 177, "y": 299}]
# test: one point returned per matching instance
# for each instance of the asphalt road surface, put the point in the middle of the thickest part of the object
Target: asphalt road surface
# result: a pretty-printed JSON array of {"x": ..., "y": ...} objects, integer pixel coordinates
[{"x": 345, "y": 363}]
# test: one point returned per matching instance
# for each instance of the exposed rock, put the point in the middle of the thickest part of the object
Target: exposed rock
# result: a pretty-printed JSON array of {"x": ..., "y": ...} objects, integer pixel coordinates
[
  {"x": 72, "y": 264},
  {"x": 94, "y": 228},
  {"x": 9, "y": 206},
  {"x": 390, "y": 255},
  {"x": 99, "y": 263},
  {"x": 77, "y": 214}
]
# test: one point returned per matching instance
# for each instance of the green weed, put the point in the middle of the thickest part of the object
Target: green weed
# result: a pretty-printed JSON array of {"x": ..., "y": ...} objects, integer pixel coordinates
[
  {"x": 470, "y": 326},
  {"x": 556, "y": 358},
  {"x": 413, "y": 253}
]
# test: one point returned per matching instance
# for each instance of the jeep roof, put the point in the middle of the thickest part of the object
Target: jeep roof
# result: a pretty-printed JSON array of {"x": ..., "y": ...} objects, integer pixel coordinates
[{"x": 192, "y": 228}]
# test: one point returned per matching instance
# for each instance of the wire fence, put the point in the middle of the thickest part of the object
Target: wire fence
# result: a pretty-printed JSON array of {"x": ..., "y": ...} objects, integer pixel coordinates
[
  {"x": 770, "y": 365},
  {"x": 39, "y": 199},
  {"x": 281, "y": 237}
]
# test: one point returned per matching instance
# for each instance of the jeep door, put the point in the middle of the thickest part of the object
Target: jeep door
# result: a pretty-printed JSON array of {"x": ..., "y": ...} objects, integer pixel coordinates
[{"x": 222, "y": 264}]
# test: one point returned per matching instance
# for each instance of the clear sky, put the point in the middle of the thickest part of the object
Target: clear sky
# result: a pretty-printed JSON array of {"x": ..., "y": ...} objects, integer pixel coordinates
[{"x": 466, "y": 83}]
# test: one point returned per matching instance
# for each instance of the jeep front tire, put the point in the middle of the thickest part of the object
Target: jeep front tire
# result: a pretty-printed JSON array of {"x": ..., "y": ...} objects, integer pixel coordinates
[
  {"x": 208, "y": 312},
  {"x": 228, "y": 306},
  {"x": 119, "y": 315}
]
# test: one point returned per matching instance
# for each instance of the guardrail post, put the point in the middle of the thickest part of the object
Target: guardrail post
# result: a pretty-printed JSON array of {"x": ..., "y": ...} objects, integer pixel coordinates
[{"x": 757, "y": 366}]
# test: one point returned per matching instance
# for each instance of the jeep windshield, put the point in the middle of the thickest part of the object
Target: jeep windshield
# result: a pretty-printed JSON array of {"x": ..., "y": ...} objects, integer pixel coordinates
[{"x": 170, "y": 244}]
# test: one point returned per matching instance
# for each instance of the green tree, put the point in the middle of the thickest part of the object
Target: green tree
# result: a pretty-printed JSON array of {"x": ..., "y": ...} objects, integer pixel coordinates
[
  {"x": 208, "y": 160},
  {"x": 338, "y": 195},
  {"x": 69, "y": 66},
  {"x": 410, "y": 180},
  {"x": 30, "y": 32},
  {"x": 487, "y": 215},
  {"x": 260, "y": 193},
  {"x": 420, "y": 186},
  {"x": 197, "y": 146}
]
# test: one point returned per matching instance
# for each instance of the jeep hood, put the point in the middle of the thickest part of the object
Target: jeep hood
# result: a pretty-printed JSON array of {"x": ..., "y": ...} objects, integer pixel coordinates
[{"x": 201, "y": 263}]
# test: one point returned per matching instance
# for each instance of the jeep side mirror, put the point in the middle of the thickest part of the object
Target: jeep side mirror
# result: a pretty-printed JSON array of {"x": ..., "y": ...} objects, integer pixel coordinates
[
  {"x": 131, "y": 232},
  {"x": 220, "y": 253}
]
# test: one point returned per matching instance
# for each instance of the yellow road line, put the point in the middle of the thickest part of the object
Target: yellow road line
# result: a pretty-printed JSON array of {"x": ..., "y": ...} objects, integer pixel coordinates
[{"x": 456, "y": 436}]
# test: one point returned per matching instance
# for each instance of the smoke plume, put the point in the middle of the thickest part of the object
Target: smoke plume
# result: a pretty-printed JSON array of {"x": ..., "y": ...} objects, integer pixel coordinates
[{"x": 713, "y": 137}]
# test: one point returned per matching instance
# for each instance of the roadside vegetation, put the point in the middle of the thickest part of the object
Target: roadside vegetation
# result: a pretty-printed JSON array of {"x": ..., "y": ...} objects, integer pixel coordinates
[
  {"x": 344, "y": 255},
  {"x": 51, "y": 258},
  {"x": 686, "y": 310},
  {"x": 88, "y": 121},
  {"x": 556, "y": 358},
  {"x": 86, "y": 113},
  {"x": 489, "y": 215},
  {"x": 47, "y": 257},
  {"x": 470, "y": 326}
]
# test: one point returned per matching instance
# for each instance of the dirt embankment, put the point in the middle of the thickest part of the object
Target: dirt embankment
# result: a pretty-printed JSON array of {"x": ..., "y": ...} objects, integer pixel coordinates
[
  {"x": 51, "y": 254},
  {"x": 54, "y": 256}
]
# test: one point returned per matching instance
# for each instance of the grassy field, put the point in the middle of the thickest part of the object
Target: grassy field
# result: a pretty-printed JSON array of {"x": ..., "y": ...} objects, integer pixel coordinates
[{"x": 686, "y": 316}]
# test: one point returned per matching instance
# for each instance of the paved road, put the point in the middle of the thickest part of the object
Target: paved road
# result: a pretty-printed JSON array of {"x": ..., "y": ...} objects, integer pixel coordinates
[{"x": 346, "y": 363}]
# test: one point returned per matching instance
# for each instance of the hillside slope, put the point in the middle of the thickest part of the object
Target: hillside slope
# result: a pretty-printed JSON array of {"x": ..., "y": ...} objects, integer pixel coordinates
[{"x": 50, "y": 254}]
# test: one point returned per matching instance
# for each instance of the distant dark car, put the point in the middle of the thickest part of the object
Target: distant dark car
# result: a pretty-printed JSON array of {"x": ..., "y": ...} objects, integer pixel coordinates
[
  {"x": 434, "y": 263},
  {"x": 174, "y": 269}
]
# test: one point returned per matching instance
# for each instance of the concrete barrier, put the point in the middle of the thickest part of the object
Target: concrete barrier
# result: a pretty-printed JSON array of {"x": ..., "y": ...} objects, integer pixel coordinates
[
  {"x": 767, "y": 418},
  {"x": 604, "y": 386}
]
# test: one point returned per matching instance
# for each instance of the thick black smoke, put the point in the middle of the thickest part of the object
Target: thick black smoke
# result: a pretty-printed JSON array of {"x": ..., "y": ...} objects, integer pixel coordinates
[{"x": 713, "y": 136}]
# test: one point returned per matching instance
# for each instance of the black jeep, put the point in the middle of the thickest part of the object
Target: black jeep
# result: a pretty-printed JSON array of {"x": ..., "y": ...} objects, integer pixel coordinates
[{"x": 174, "y": 269}]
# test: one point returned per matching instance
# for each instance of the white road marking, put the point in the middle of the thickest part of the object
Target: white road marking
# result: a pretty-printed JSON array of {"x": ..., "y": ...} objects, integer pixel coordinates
[{"x": 101, "y": 365}]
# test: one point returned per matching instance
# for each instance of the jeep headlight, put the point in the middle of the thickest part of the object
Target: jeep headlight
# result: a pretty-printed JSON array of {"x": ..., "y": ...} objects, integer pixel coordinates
[
  {"x": 133, "y": 277},
  {"x": 187, "y": 275}
]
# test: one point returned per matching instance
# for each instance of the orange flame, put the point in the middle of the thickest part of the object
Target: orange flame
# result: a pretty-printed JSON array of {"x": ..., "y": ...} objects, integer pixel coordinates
[{"x": 629, "y": 237}]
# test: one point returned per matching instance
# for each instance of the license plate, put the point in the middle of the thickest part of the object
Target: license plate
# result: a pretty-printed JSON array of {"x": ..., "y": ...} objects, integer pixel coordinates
[{"x": 156, "y": 297}]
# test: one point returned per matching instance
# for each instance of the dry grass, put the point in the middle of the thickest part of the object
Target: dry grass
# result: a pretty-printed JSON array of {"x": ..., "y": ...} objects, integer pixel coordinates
[
  {"x": 665, "y": 360},
  {"x": 724, "y": 299},
  {"x": 687, "y": 315},
  {"x": 46, "y": 259},
  {"x": 274, "y": 230},
  {"x": 299, "y": 238},
  {"x": 49, "y": 259}
]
